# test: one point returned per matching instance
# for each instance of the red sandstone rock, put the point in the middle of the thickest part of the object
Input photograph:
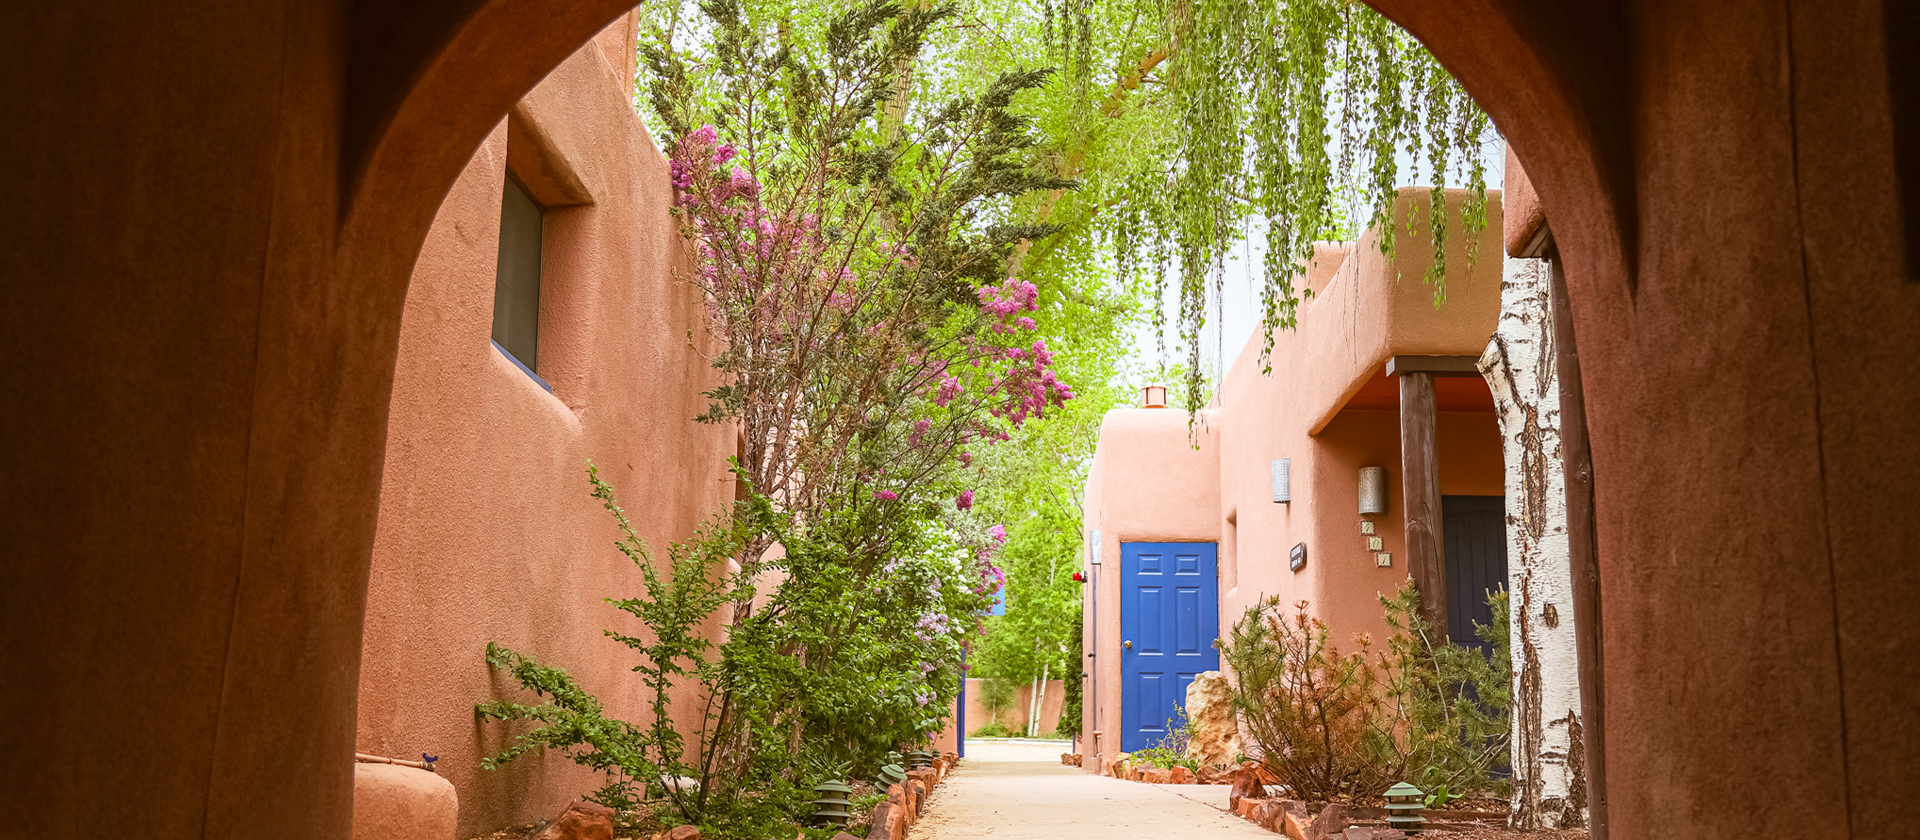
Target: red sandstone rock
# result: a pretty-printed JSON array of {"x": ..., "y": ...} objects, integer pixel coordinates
[
  {"x": 918, "y": 793},
  {"x": 1332, "y": 820},
  {"x": 842, "y": 836},
  {"x": 583, "y": 821},
  {"x": 1245, "y": 806},
  {"x": 1245, "y": 784},
  {"x": 683, "y": 832},
  {"x": 1180, "y": 776},
  {"x": 1158, "y": 776},
  {"x": 881, "y": 823},
  {"x": 1079, "y": 760},
  {"x": 1211, "y": 776}
]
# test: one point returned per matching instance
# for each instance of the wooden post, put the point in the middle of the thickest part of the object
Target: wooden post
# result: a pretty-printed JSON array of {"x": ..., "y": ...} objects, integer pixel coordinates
[
  {"x": 1584, "y": 551},
  {"x": 1420, "y": 494}
]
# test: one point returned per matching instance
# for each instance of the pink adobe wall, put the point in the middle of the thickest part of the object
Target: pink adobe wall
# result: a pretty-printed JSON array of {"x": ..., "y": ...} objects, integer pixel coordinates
[
  {"x": 486, "y": 530},
  {"x": 1155, "y": 486},
  {"x": 1015, "y": 716},
  {"x": 1150, "y": 481}
]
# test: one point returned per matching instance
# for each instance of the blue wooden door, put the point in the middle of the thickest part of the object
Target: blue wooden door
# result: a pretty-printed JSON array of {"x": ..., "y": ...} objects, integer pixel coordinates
[{"x": 1169, "y": 618}]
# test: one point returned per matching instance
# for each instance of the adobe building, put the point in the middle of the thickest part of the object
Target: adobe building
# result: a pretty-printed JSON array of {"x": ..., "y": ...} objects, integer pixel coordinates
[
  {"x": 544, "y": 327},
  {"x": 217, "y": 210},
  {"x": 1292, "y": 484}
]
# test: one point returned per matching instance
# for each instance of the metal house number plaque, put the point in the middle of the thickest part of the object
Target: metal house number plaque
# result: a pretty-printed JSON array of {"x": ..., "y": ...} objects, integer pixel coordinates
[{"x": 1297, "y": 558}]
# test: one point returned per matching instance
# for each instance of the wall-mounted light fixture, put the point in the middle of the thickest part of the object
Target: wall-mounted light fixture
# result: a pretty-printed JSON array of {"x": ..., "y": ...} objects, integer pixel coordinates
[
  {"x": 1093, "y": 549},
  {"x": 1282, "y": 480},
  {"x": 1153, "y": 396},
  {"x": 1373, "y": 490}
]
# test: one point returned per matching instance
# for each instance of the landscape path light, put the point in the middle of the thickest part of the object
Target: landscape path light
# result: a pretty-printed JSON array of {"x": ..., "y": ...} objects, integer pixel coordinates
[
  {"x": 834, "y": 806},
  {"x": 1404, "y": 804}
]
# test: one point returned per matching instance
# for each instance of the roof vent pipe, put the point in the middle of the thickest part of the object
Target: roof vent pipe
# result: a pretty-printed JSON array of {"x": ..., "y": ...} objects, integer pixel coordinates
[{"x": 1153, "y": 396}]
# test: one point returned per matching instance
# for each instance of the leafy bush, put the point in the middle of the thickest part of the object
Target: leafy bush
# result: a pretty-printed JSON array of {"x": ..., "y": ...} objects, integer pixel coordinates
[
  {"x": 1451, "y": 701},
  {"x": 1169, "y": 750},
  {"x": 1315, "y": 714},
  {"x": 838, "y": 668},
  {"x": 1345, "y": 726},
  {"x": 996, "y": 696},
  {"x": 993, "y": 729}
]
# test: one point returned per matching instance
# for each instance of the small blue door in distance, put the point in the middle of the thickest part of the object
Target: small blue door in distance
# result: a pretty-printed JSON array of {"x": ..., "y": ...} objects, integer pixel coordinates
[{"x": 1170, "y": 612}]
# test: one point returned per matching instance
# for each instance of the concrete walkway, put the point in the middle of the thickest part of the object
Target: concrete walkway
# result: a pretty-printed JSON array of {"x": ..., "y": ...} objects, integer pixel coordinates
[{"x": 1014, "y": 791}]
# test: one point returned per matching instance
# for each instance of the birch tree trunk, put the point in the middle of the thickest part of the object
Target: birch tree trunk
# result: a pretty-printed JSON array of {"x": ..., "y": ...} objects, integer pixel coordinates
[{"x": 1548, "y": 769}]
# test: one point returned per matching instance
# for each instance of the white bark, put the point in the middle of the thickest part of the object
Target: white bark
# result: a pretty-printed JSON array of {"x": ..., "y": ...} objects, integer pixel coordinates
[{"x": 1548, "y": 771}]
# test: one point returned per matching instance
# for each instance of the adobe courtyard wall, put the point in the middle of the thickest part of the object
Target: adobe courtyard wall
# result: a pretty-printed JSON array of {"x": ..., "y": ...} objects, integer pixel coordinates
[
  {"x": 1151, "y": 481},
  {"x": 1014, "y": 717},
  {"x": 486, "y": 531}
]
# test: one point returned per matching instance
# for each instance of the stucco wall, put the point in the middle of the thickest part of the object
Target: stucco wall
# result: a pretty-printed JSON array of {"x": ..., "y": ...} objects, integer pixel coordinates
[
  {"x": 1015, "y": 716},
  {"x": 1321, "y": 408},
  {"x": 486, "y": 529}
]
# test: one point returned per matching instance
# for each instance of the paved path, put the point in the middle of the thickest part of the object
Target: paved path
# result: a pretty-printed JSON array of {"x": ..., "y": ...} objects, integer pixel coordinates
[{"x": 1015, "y": 791}]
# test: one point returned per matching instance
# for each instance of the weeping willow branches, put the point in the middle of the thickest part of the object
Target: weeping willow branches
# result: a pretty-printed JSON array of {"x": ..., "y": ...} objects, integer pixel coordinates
[{"x": 1297, "y": 116}]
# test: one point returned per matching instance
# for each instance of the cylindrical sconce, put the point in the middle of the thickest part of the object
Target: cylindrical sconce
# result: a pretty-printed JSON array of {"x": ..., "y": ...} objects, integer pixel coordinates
[
  {"x": 1093, "y": 549},
  {"x": 1153, "y": 396},
  {"x": 1282, "y": 480},
  {"x": 1373, "y": 490}
]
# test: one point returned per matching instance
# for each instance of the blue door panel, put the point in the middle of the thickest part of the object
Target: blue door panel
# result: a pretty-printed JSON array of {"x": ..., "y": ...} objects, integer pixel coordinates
[{"x": 1170, "y": 613}]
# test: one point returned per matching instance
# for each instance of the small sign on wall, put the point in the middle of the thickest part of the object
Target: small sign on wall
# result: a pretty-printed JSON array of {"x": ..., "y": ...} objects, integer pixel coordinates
[{"x": 1297, "y": 559}]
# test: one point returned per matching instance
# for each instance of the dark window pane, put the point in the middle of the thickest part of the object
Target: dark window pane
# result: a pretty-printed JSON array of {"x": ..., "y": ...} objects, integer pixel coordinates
[{"x": 516, "y": 281}]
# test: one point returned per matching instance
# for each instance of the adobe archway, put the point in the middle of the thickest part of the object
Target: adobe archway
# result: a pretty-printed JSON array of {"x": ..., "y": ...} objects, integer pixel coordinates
[{"x": 222, "y": 206}]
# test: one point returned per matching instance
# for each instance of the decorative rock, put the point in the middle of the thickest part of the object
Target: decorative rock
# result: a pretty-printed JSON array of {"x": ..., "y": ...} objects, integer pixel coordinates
[
  {"x": 918, "y": 790},
  {"x": 844, "y": 836},
  {"x": 581, "y": 821},
  {"x": 684, "y": 832},
  {"x": 1294, "y": 824},
  {"x": 1358, "y": 832},
  {"x": 1270, "y": 814},
  {"x": 1180, "y": 776},
  {"x": 1079, "y": 760},
  {"x": 1213, "y": 731},
  {"x": 1159, "y": 776},
  {"x": 1246, "y": 807},
  {"x": 1116, "y": 766},
  {"x": 1212, "y": 775},
  {"x": 1245, "y": 784},
  {"x": 882, "y": 824},
  {"x": 1333, "y": 819},
  {"x": 901, "y": 798}
]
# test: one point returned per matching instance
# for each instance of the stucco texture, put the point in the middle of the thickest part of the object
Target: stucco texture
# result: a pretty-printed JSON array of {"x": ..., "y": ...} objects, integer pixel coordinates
[
  {"x": 1327, "y": 406},
  {"x": 487, "y": 531}
]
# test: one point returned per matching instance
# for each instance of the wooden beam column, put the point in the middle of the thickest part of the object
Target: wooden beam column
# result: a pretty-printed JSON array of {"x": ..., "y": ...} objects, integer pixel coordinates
[{"x": 1420, "y": 493}]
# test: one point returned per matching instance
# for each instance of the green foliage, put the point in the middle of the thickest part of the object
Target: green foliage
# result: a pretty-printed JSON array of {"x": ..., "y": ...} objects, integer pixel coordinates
[
  {"x": 842, "y": 665},
  {"x": 1453, "y": 701},
  {"x": 1194, "y": 124},
  {"x": 1316, "y": 715},
  {"x": 996, "y": 696},
  {"x": 1334, "y": 726},
  {"x": 994, "y": 729},
  {"x": 1169, "y": 750}
]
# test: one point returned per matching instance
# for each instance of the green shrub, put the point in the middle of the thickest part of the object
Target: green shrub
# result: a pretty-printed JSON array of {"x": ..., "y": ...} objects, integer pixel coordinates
[{"x": 1345, "y": 726}]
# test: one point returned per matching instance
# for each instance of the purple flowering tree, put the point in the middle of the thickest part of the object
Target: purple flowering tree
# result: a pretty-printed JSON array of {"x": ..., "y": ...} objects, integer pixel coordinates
[{"x": 853, "y": 260}]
